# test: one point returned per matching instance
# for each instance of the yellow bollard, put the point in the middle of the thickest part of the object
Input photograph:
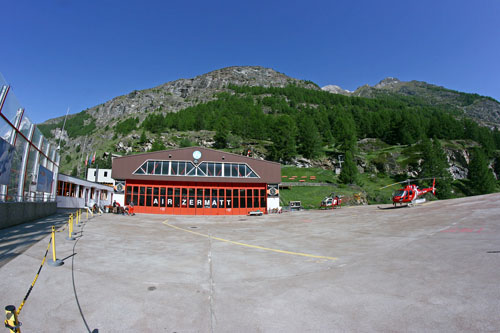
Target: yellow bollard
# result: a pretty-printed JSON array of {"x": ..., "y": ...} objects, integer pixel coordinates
[
  {"x": 77, "y": 218},
  {"x": 70, "y": 228},
  {"x": 53, "y": 243},
  {"x": 87, "y": 214},
  {"x": 55, "y": 261},
  {"x": 11, "y": 322}
]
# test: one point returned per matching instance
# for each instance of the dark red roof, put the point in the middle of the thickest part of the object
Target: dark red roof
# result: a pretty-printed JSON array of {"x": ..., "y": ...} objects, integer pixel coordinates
[{"x": 124, "y": 167}]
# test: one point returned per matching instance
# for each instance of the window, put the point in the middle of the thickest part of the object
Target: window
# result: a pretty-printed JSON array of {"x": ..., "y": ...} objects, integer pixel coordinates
[
  {"x": 150, "y": 167},
  {"x": 192, "y": 199},
  {"x": 105, "y": 173},
  {"x": 149, "y": 191},
  {"x": 60, "y": 188},
  {"x": 242, "y": 198},
  {"x": 165, "y": 168},
  {"x": 142, "y": 192},
  {"x": 162, "y": 196},
  {"x": 174, "y": 167},
  {"x": 157, "y": 168},
  {"x": 228, "y": 199},
  {"x": 170, "y": 198},
  {"x": 218, "y": 170},
  {"x": 136, "y": 195},
  {"x": 199, "y": 198},
  {"x": 236, "y": 203},
  {"x": 156, "y": 200},
  {"x": 187, "y": 168}
]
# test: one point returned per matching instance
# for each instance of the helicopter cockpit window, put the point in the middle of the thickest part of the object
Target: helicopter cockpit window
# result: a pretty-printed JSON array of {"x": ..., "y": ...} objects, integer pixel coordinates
[{"x": 399, "y": 193}]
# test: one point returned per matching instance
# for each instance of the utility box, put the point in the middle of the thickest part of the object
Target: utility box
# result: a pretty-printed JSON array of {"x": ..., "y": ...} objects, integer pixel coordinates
[{"x": 295, "y": 206}]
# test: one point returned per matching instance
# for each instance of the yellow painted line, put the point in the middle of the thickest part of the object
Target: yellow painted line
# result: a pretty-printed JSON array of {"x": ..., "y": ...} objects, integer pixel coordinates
[{"x": 249, "y": 245}]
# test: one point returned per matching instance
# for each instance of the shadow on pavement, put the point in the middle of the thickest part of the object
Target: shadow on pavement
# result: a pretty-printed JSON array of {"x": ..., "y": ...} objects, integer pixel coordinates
[{"x": 17, "y": 239}]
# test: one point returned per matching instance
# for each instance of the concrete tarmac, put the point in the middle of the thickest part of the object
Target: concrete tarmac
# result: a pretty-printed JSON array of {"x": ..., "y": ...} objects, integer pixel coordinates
[
  {"x": 430, "y": 268},
  {"x": 15, "y": 240}
]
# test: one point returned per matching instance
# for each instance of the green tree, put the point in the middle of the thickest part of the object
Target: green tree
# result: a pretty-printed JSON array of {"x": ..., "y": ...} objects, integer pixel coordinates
[
  {"x": 185, "y": 143},
  {"x": 221, "y": 136},
  {"x": 126, "y": 126},
  {"x": 309, "y": 140},
  {"x": 68, "y": 158},
  {"x": 349, "y": 172},
  {"x": 283, "y": 131},
  {"x": 496, "y": 167},
  {"x": 481, "y": 178},
  {"x": 345, "y": 132},
  {"x": 74, "y": 172},
  {"x": 143, "y": 138},
  {"x": 158, "y": 145},
  {"x": 104, "y": 163},
  {"x": 435, "y": 165}
]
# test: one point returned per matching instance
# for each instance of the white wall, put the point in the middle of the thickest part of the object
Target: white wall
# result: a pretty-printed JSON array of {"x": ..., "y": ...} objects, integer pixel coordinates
[
  {"x": 75, "y": 202},
  {"x": 273, "y": 203},
  {"x": 104, "y": 176}
]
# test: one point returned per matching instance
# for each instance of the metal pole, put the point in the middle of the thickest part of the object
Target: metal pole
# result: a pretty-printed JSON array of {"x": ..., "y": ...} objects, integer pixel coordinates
[{"x": 60, "y": 134}]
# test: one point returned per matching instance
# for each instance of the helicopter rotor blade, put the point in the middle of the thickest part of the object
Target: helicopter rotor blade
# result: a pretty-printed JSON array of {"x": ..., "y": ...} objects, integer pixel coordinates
[
  {"x": 391, "y": 185},
  {"x": 408, "y": 181}
]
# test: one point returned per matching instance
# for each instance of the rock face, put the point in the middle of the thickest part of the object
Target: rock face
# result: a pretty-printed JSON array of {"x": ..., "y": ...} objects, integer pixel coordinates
[
  {"x": 388, "y": 82},
  {"x": 336, "y": 90},
  {"x": 458, "y": 161},
  {"x": 180, "y": 94}
]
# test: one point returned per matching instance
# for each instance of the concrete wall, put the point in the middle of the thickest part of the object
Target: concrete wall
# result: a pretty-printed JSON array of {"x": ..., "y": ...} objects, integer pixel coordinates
[{"x": 14, "y": 213}]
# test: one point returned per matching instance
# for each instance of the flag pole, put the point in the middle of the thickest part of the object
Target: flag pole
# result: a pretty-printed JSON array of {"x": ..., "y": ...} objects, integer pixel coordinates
[
  {"x": 83, "y": 152},
  {"x": 60, "y": 134}
]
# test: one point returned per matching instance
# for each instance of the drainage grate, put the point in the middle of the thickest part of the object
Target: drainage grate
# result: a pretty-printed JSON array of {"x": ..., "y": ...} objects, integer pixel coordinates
[
  {"x": 493, "y": 252},
  {"x": 194, "y": 227},
  {"x": 151, "y": 288}
]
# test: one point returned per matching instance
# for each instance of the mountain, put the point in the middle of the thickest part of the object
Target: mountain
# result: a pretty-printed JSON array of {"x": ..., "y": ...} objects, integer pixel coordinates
[
  {"x": 336, "y": 90},
  {"x": 485, "y": 110},
  {"x": 256, "y": 107},
  {"x": 182, "y": 93}
]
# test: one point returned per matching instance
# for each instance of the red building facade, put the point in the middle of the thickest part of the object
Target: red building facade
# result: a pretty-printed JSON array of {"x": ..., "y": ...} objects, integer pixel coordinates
[{"x": 198, "y": 181}]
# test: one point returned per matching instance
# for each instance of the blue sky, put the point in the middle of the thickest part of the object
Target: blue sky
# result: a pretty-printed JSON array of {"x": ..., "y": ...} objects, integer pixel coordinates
[{"x": 61, "y": 53}]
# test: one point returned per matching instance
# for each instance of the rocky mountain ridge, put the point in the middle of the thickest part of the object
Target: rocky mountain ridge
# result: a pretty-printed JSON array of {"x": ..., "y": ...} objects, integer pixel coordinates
[
  {"x": 182, "y": 93},
  {"x": 484, "y": 110}
]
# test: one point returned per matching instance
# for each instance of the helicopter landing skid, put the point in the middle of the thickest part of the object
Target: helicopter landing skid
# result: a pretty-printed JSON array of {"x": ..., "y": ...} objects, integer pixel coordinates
[{"x": 393, "y": 207}]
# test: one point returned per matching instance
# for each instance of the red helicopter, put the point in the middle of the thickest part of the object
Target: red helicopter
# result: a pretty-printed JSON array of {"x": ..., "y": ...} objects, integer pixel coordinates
[{"x": 410, "y": 193}]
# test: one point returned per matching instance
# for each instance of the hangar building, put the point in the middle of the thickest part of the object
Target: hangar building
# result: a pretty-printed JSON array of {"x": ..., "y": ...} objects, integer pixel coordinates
[{"x": 198, "y": 181}]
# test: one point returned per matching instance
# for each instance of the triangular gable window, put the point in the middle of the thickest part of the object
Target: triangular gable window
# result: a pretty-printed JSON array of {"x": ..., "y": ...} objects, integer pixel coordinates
[
  {"x": 142, "y": 169},
  {"x": 204, "y": 169}
]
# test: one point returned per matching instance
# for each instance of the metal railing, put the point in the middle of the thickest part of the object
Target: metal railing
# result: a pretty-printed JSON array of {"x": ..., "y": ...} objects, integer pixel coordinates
[{"x": 35, "y": 197}]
